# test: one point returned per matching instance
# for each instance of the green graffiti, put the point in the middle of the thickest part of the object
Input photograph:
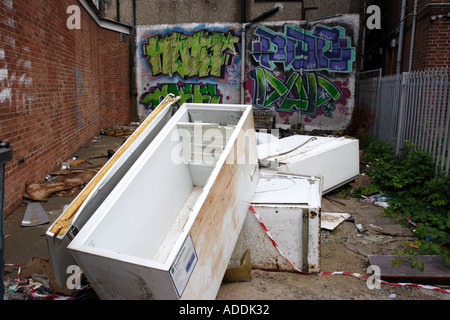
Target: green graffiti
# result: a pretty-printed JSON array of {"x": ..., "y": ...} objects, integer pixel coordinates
[
  {"x": 203, "y": 54},
  {"x": 195, "y": 93},
  {"x": 305, "y": 93}
]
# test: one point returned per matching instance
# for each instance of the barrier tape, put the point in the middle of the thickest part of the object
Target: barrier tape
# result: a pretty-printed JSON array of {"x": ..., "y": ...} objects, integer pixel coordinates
[
  {"x": 19, "y": 271},
  {"x": 357, "y": 275},
  {"x": 30, "y": 290}
]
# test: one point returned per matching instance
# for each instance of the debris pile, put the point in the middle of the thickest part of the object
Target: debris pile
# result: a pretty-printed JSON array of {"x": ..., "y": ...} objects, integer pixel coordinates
[
  {"x": 77, "y": 171},
  {"x": 66, "y": 182},
  {"x": 35, "y": 282}
]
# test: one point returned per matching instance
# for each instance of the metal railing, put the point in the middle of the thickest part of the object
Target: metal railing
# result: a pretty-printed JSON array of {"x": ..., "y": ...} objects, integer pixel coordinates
[{"x": 412, "y": 107}]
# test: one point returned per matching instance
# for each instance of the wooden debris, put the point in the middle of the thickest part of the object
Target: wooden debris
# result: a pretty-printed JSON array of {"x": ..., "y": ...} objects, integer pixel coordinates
[
  {"x": 435, "y": 271},
  {"x": 65, "y": 180},
  {"x": 118, "y": 132},
  {"x": 74, "y": 163}
]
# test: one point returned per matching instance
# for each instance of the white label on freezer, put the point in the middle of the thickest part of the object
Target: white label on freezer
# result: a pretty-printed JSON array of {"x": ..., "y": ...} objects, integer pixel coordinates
[{"x": 183, "y": 266}]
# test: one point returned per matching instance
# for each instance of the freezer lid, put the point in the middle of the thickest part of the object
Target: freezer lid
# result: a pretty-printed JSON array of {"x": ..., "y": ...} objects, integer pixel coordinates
[
  {"x": 270, "y": 147},
  {"x": 274, "y": 188},
  {"x": 113, "y": 168},
  {"x": 320, "y": 145}
]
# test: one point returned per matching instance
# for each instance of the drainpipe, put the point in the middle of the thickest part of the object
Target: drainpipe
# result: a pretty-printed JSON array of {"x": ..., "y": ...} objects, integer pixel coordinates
[
  {"x": 363, "y": 40},
  {"x": 400, "y": 37},
  {"x": 118, "y": 10},
  {"x": 413, "y": 32},
  {"x": 243, "y": 23},
  {"x": 5, "y": 155},
  {"x": 133, "y": 49}
]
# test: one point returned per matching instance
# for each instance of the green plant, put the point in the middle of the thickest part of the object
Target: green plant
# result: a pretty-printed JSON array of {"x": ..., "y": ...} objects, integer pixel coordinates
[{"x": 417, "y": 195}]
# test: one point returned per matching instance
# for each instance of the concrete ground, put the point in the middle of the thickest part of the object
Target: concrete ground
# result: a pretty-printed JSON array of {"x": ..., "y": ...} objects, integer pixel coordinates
[{"x": 342, "y": 249}]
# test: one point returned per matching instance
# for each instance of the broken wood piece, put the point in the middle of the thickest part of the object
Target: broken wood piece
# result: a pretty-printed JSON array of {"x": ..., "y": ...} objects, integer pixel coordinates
[
  {"x": 65, "y": 181},
  {"x": 434, "y": 272},
  {"x": 40, "y": 191},
  {"x": 118, "y": 132},
  {"x": 74, "y": 163}
]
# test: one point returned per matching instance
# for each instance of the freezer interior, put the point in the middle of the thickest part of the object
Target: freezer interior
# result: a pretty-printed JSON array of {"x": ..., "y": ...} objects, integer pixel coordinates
[{"x": 146, "y": 212}]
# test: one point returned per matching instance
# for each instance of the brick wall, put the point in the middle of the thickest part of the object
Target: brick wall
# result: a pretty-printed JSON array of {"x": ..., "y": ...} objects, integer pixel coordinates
[
  {"x": 431, "y": 40},
  {"x": 438, "y": 42},
  {"x": 58, "y": 87}
]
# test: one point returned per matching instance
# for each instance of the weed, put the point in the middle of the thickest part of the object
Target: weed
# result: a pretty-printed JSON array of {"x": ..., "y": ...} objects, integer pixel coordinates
[{"x": 418, "y": 196}]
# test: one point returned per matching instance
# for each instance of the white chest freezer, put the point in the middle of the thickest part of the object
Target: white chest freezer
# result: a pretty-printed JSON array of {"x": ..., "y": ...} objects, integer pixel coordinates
[
  {"x": 335, "y": 159},
  {"x": 168, "y": 229},
  {"x": 289, "y": 207},
  {"x": 62, "y": 231}
]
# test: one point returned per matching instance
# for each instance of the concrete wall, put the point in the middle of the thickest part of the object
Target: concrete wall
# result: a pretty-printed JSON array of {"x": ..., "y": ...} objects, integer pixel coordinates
[
  {"x": 156, "y": 12},
  {"x": 58, "y": 87},
  {"x": 199, "y": 63},
  {"x": 302, "y": 74}
]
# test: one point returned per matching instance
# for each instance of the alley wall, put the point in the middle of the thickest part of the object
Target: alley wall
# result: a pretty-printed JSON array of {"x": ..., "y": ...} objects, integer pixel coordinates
[
  {"x": 300, "y": 73},
  {"x": 59, "y": 86}
]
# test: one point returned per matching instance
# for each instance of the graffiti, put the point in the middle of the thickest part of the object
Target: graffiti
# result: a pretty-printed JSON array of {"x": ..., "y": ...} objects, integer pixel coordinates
[
  {"x": 77, "y": 90},
  {"x": 297, "y": 49},
  {"x": 193, "y": 93},
  {"x": 203, "y": 54},
  {"x": 16, "y": 84},
  {"x": 5, "y": 91},
  {"x": 306, "y": 93}
]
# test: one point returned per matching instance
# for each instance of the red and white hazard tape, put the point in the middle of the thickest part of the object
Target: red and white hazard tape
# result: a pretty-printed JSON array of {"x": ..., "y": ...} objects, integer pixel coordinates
[
  {"x": 19, "y": 271},
  {"x": 31, "y": 291},
  {"x": 357, "y": 275}
]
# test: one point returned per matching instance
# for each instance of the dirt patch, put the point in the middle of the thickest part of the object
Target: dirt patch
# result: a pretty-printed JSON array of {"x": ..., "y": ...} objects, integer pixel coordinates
[
  {"x": 335, "y": 256},
  {"x": 343, "y": 249}
]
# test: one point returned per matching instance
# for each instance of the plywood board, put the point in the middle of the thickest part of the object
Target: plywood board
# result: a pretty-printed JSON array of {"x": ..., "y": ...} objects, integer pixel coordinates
[{"x": 435, "y": 271}]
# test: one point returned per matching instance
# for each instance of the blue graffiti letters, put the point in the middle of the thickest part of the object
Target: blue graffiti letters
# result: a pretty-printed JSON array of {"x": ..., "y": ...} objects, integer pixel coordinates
[{"x": 297, "y": 49}]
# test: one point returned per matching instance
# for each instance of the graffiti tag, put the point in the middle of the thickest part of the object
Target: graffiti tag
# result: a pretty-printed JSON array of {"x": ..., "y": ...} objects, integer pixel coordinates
[
  {"x": 306, "y": 93},
  {"x": 204, "y": 54},
  {"x": 297, "y": 49},
  {"x": 191, "y": 93},
  {"x": 77, "y": 90}
]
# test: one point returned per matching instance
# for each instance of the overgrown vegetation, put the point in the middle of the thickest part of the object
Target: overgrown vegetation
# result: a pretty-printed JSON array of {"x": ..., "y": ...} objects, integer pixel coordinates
[{"x": 418, "y": 196}]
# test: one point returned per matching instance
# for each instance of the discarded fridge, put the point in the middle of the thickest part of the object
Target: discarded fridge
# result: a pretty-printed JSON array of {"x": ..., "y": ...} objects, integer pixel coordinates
[
  {"x": 168, "y": 229},
  {"x": 289, "y": 207},
  {"x": 335, "y": 159},
  {"x": 73, "y": 218}
]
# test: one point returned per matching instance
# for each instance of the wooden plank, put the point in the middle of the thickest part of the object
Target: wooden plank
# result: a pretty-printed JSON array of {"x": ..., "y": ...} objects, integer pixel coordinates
[{"x": 435, "y": 271}]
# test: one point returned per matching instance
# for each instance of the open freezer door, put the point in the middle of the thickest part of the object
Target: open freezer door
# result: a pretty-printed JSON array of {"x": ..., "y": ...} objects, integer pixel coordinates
[
  {"x": 289, "y": 206},
  {"x": 70, "y": 222}
]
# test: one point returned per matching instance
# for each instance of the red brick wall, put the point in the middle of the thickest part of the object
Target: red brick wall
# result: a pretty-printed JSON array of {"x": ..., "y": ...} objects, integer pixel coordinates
[
  {"x": 438, "y": 42},
  {"x": 114, "y": 80},
  {"x": 431, "y": 41},
  {"x": 58, "y": 87}
]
